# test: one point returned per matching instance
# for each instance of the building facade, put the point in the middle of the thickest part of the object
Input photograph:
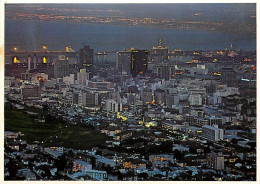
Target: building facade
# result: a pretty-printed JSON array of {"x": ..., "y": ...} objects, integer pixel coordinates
[
  {"x": 212, "y": 133},
  {"x": 86, "y": 59},
  {"x": 61, "y": 68}
]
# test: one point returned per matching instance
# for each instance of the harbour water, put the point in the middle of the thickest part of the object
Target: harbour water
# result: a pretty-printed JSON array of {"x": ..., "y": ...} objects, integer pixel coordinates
[{"x": 30, "y": 35}]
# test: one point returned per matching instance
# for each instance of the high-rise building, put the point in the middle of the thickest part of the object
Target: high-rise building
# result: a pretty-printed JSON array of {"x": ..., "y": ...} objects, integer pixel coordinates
[
  {"x": 61, "y": 67},
  {"x": 86, "y": 59},
  {"x": 123, "y": 62},
  {"x": 159, "y": 54},
  {"x": 212, "y": 133},
  {"x": 139, "y": 61},
  {"x": 228, "y": 76}
]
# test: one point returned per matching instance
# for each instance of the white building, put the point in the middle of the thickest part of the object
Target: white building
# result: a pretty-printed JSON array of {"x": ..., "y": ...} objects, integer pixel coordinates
[
  {"x": 113, "y": 106},
  {"x": 69, "y": 79},
  {"x": 212, "y": 133},
  {"x": 82, "y": 77},
  {"x": 195, "y": 99}
]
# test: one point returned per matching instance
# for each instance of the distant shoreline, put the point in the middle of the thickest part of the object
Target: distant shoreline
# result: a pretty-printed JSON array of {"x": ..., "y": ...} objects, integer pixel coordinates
[{"x": 140, "y": 25}]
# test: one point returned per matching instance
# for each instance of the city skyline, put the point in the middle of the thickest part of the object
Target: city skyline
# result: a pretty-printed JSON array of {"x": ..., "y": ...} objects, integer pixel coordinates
[{"x": 121, "y": 92}]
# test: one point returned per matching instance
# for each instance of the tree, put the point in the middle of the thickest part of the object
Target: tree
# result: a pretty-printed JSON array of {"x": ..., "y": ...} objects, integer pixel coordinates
[
  {"x": 143, "y": 175},
  {"x": 234, "y": 141},
  {"x": 61, "y": 163},
  {"x": 12, "y": 169},
  {"x": 93, "y": 162},
  {"x": 193, "y": 150},
  {"x": 178, "y": 155},
  {"x": 207, "y": 150}
]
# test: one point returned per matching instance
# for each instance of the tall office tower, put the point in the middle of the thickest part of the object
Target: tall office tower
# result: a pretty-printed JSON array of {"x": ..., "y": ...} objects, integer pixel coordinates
[
  {"x": 86, "y": 59},
  {"x": 228, "y": 76},
  {"x": 123, "y": 62},
  {"x": 61, "y": 67},
  {"x": 159, "y": 54},
  {"x": 139, "y": 61},
  {"x": 165, "y": 71}
]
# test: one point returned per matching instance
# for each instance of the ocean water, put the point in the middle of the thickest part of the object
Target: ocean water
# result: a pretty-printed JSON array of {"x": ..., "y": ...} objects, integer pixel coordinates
[{"x": 30, "y": 35}]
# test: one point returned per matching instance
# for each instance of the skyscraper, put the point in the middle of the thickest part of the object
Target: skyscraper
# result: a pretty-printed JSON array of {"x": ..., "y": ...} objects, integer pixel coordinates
[
  {"x": 86, "y": 59},
  {"x": 159, "y": 54},
  {"x": 228, "y": 76},
  {"x": 123, "y": 62},
  {"x": 61, "y": 67},
  {"x": 139, "y": 61}
]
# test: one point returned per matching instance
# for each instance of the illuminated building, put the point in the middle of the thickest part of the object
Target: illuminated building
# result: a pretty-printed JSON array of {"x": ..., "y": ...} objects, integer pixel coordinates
[
  {"x": 79, "y": 165},
  {"x": 160, "y": 158},
  {"x": 39, "y": 57},
  {"x": 159, "y": 54},
  {"x": 36, "y": 78},
  {"x": 132, "y": 62},
  {"x": 86, "y": 59},
  {"x": 139, "y": 61},
  {"x": 61, "y": 68}
]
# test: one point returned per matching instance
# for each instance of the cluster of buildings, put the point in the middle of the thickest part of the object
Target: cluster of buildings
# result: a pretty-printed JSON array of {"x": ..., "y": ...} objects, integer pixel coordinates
[{"x": 164, "y": 120}]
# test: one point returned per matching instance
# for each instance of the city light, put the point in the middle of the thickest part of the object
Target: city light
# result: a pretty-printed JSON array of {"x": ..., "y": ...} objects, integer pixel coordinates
[{"x": 181, "y": 106}]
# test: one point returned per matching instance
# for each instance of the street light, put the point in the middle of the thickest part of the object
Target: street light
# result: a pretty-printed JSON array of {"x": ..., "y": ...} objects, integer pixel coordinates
[{"x": 44, "y": 47}]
